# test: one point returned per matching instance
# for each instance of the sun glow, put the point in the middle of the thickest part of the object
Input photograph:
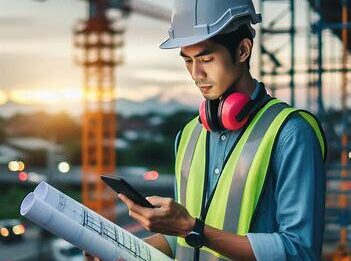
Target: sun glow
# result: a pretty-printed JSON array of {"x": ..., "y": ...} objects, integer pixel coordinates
[
  {"x": 3, "y": 97},
  {"x": 75, "y": 95},
  {"x": 38, "y": 96},
  {"x": 62, "y": 96}
]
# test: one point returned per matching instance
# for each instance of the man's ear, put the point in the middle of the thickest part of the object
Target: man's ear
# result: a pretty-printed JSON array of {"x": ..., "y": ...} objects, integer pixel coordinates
[{"x": 244, "y": 50}]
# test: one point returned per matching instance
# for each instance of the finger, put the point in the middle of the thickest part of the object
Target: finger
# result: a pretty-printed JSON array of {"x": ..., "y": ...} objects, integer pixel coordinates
[
  {"x": 86, "y": 254},
  {"x": 143, "y": 215},
  {"x": 90, "y": 257},
  {"x": 158, "y": 201},
  {"x": 132, "y": 205},
  {"x": 127, "y": 201},
  {"x": 165, "y": 206},
  {"x": 141, "y": 219}
]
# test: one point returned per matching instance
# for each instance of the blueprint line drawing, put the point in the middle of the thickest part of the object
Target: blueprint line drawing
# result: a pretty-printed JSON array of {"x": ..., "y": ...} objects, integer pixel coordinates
[{"x": 67, "y": 218}]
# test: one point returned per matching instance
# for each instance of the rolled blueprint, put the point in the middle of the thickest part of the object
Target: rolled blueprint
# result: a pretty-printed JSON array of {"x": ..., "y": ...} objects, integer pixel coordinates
[{"x": 84, "y": 228}]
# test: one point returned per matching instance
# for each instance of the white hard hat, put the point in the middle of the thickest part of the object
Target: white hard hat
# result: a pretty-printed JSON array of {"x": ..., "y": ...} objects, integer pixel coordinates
[{"x": 194, "y": 21}]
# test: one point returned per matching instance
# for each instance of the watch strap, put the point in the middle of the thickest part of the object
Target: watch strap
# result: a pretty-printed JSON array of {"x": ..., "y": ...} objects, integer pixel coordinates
[{"x": 199, "y": 226}]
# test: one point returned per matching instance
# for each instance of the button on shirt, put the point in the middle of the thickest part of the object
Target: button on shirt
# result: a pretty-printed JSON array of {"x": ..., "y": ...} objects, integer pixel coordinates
[
  {"x": 220, "y": 146},
  {"x": 289, "y": 221}
]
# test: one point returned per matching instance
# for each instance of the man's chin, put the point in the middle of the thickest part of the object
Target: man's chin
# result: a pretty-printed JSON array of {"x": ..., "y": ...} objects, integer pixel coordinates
[{"x": 210, "y": 96}]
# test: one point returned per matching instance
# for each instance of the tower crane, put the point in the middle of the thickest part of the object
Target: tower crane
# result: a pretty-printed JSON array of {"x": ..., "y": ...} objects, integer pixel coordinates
[{"x": 98, "y": 38}]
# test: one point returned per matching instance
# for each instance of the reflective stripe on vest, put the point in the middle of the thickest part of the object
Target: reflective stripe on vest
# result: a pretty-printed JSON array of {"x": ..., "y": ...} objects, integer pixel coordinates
[
  {"x": 242, "y": 179},
  {"x": 187, "y": 254},
  {"x": 189, "y": 152}
]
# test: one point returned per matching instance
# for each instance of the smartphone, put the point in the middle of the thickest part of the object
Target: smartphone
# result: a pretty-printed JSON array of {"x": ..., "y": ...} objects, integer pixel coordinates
[{"x": 122, "y": 187}]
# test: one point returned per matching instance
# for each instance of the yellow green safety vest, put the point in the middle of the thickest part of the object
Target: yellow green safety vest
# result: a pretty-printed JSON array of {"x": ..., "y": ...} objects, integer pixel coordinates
[{"x": 240, "y": 185}]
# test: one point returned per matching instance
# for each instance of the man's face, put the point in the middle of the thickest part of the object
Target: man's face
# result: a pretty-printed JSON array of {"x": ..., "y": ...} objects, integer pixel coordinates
[{"x": 211, "y": 67}]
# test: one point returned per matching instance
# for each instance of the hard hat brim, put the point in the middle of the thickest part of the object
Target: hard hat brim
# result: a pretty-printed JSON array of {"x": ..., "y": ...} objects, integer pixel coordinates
[{"x": 172, "y": 43}]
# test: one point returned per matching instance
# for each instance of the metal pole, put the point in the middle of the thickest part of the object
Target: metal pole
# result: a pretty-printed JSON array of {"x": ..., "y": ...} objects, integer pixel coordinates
[
  {"x": 292, "y": 55},
  {"x": 343, "y": 200},
  {"x": 321, "y": 111},
  {"x": 309, "y": 60}
]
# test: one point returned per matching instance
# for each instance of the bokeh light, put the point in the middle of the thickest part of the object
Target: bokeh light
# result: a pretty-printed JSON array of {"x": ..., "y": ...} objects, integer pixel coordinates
[
  {"x": 13, "y": 165},
  {"x": 63, "y": 167},
  {"x": 22, "y": 176}
]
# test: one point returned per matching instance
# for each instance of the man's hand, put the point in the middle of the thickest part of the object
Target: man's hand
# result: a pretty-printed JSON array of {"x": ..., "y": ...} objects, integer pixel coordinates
[
  {"x": 168, "y": 217},
  {"x": 89, "y": 257}
]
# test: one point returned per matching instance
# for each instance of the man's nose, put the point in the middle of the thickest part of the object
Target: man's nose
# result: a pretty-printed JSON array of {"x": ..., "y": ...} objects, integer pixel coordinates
[{"x": 197, "y": 72}]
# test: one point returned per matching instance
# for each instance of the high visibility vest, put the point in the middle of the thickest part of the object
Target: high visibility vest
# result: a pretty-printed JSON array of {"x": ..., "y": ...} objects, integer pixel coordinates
[{"x": 242, "y": 179}]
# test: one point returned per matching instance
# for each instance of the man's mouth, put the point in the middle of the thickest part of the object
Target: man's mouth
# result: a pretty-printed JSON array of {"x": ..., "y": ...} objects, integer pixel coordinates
[{"x": 205, "y": 88}]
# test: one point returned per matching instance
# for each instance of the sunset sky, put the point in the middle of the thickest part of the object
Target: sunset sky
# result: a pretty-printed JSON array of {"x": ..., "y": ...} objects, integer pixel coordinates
[{"x": 37, "y": 65}]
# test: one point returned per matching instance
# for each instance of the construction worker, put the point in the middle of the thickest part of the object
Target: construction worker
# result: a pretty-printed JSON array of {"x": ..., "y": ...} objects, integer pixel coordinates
[{"x": 250, "y": 176}]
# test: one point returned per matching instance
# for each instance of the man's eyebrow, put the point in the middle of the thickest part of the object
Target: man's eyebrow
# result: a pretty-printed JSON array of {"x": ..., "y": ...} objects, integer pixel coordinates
[{"x": 202, "y": 53}]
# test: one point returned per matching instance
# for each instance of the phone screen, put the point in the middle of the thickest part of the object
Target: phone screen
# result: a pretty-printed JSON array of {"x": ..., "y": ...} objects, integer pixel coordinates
[{"x": 119, "y": 185}]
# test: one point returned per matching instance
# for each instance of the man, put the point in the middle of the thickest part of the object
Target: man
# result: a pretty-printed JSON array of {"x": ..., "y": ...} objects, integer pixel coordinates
[{"x": 250, "y": 178}]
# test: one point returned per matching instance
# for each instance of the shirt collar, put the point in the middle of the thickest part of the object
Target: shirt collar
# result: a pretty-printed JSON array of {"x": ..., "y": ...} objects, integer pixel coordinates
[{"x": 256, "y": 91}]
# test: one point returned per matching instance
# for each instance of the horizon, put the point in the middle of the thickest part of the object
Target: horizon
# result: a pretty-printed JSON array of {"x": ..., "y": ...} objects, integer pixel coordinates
[{"x": 35, "y": 72}]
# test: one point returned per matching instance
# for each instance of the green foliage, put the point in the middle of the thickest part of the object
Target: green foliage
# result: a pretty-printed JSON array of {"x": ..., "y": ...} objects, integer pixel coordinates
[
  {"x": 175, "y": 122},
  {"x": 155, "y": 155},
  {"x": 10, "y": 200},
  {"x": 12, "y": 196}
]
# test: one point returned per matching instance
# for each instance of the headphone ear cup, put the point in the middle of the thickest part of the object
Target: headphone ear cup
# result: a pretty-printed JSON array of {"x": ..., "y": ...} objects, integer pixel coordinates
[
  {"x": 208, "y": 110},
  {"x": 230, "y": 108},
  {"x": 212, "y": 112},
  {"x": 203, "y": 115}
]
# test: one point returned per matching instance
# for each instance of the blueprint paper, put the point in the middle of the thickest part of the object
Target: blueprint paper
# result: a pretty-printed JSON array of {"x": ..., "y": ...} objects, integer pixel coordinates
[{"x": 79, "y": 225}]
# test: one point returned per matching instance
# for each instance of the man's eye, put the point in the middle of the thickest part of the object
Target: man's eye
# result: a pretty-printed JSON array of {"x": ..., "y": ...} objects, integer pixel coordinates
[
  {"x": 207, "y": 60},
  {"x": 187, "y": 61}
]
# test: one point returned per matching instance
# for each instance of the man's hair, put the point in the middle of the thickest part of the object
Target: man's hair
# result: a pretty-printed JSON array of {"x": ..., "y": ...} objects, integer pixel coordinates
[{"x": 232, "y": 40}]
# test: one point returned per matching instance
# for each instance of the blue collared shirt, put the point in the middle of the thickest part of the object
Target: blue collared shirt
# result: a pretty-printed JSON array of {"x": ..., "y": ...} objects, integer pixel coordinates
[{"x": 289, "y": 223}]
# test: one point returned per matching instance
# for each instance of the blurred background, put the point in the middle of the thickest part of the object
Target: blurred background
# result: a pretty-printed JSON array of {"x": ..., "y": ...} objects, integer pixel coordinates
[{"x": 85, "y": 91}]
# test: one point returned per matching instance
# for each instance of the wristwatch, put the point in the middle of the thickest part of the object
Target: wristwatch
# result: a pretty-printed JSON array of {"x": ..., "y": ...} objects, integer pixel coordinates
[{"x": 195, "y": 238}]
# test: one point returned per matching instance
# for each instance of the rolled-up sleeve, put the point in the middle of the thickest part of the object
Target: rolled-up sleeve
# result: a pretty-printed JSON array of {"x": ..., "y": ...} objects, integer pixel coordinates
[
  {"x": 299, "y": 178},
  {"x": 267, "y": 246}
]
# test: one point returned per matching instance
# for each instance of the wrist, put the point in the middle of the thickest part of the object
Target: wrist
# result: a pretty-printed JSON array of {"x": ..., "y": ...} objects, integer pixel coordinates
[
  {"x": 195, "y": 238},
  {"x": 189, "y": 227}
]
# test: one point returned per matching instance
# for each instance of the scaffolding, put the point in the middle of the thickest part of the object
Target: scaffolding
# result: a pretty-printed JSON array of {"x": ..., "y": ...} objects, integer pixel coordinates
[
  {"x": 325, "y": 18},
  {"x": 270, "y": 64}
]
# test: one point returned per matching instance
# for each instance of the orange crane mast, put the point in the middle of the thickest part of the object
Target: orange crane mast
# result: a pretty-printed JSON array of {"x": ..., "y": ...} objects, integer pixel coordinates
[{"x": 98, "y": 38}]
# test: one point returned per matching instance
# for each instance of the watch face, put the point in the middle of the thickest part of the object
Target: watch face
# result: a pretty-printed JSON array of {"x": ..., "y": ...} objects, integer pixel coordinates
[{"x": 194, "y": 239}]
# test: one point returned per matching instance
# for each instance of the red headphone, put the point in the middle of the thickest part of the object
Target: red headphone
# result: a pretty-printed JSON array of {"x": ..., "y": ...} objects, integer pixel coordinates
[{"x": 230, "y": 112}]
